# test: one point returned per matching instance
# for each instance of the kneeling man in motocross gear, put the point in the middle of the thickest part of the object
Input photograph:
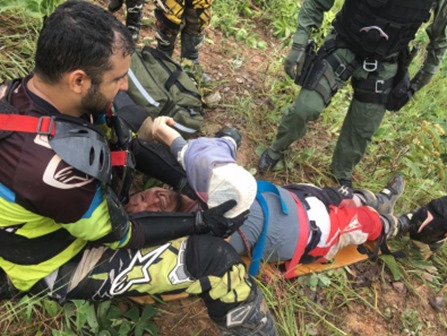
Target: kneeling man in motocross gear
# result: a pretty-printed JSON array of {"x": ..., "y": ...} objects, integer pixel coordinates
[{"x": 63, "y": 229}]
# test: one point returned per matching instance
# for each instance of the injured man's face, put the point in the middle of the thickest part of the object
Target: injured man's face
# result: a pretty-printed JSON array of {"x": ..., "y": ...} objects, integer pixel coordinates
[{"x": 157, "y": 200}]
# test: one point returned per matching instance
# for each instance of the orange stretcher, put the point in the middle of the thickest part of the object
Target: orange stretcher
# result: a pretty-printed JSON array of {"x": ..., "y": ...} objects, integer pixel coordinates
[{"x": 345, "y": 257}]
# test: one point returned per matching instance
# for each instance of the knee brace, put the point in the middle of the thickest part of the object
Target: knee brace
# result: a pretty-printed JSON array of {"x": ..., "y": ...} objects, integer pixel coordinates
[
  {"x": 209, "y": 256},
  {"x": 221, "y": 276}
]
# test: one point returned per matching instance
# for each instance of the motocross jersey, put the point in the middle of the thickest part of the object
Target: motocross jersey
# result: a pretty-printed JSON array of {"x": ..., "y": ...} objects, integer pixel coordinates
[{"x": 49, "y": 210}]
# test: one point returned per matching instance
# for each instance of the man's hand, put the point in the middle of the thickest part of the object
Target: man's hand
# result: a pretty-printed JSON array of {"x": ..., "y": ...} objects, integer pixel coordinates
[
  {"x": 295, "y": 58},
  {"x": 163, "y": 132},
  {"x": 213, "y": 220},
  {"x": 2, "y": 90},
  {"x": 145, "y": 130},
  {"x": 421, "y": 79}
]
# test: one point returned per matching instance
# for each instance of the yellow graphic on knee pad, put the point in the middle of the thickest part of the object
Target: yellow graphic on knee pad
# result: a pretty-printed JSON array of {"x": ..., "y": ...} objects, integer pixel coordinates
[{"x": 232, "y": 287}]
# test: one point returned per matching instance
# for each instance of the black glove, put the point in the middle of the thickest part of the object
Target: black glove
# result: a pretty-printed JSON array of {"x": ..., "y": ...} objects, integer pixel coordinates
[
  {"x": 429, "y": 223},
  {"x": 421, "y": 79},
  {"x": 295, "y": 58},
  {"x": 213, "y": 220}
]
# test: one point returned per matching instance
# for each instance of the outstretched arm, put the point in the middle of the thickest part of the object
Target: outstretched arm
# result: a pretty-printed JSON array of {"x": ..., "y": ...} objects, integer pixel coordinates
[{"x": 157, "y": 228}]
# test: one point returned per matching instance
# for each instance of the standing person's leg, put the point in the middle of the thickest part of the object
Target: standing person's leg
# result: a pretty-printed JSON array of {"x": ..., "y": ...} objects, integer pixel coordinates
[
  {"x": 203, "y": 265},
  {"x": 198, "y": 14},
  {"x": 361, "y": 121},
  {"x": 133, "y": 17},
  {"x": 169, "y": 17},
  {"x": 306, "y": 107}
]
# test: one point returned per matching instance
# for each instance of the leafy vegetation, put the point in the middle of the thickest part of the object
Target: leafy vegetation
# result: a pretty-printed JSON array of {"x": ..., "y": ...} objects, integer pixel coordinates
[
  {"x": 37, "y": 9},
  {"x": 412, "y": 141},
  {"x": 38, "y": 316}
]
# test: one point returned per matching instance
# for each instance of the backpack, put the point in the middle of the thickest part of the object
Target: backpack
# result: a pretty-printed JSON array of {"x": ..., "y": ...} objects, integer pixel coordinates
[{"x": 161, "y": 87}]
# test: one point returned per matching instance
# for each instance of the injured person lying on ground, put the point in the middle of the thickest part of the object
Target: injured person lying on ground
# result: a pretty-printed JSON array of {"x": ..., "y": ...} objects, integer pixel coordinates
[{"x": 296, "y": 223}]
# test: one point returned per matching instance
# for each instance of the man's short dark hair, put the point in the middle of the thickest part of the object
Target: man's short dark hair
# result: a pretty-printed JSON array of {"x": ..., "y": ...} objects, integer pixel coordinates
[{"x": 80, "y": 35}]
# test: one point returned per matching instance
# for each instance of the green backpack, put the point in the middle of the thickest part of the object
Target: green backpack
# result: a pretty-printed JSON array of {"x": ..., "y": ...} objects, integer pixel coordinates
[{"x": 162, "y": 88}]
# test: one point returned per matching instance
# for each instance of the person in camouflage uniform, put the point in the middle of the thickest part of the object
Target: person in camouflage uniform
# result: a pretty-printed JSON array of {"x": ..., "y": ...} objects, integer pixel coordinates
[{"x": 190, "y": 18}]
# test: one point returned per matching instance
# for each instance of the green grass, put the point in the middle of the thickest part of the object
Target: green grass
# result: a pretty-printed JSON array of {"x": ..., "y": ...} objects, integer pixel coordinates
[{"x": 16, "y": 52}]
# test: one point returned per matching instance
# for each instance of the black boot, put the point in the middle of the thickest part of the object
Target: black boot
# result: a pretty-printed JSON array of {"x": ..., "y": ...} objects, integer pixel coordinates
[
  {"x": 252, "y": 318},
  {"x": 266, "y": 162},
  {"x": 388, "y": 196},
  {"x": 385, "y": 200},
  {"x": 344, "y": 182}
]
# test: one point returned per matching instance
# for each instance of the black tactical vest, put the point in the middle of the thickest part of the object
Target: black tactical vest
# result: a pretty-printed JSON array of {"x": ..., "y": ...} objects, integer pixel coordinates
[{"x": 379, "y": 28}]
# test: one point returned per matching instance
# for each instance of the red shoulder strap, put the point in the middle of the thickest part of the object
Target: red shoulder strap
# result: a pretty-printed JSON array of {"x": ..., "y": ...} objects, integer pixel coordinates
[
  {"x": 45, "y": 126},
  {"x": 28, "y": 124}
]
